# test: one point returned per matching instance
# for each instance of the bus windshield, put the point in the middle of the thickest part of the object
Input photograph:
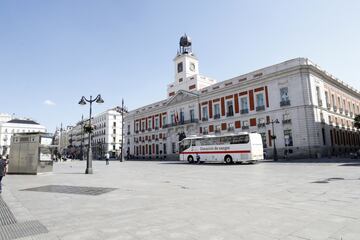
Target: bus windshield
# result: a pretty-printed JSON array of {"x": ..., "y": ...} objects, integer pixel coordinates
[{"x": 185, "y": 144}]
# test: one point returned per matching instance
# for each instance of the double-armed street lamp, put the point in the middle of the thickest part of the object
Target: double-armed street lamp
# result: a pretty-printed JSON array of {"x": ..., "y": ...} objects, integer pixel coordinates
[
  {"x": 273, "y": 137},
  {"x": 123, "y": 109},
  {"x": 89, "y": 129}
]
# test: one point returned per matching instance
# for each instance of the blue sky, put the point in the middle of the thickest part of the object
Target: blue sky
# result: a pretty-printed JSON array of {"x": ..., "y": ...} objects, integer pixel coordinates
[{"x": 60, "y": 50}]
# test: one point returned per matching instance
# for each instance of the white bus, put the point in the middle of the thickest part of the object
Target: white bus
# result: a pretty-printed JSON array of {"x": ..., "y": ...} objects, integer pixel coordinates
[{"x": 242, "y": 147}]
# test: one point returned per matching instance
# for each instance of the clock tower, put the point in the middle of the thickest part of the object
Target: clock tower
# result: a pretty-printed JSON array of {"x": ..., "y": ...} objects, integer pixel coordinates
[
  {"x": 186, "y": 64},
  {"x": 186, "y": 67}
]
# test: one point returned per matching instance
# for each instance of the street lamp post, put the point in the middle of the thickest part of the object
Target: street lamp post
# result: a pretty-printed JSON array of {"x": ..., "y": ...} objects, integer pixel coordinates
[
  {"x": 273, "y": 137},
  {"x": 123, "y": 110},
  {"x": 83, "y": 101},
  {"x": 82, "y": 138}
]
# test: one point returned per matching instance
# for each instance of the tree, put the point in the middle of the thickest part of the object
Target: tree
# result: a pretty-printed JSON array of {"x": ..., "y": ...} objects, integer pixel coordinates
[{"x": 357, "y": 121}]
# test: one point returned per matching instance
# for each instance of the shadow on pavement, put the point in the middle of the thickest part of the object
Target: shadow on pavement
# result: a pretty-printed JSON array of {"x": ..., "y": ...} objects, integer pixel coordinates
[
  {"x": 205, "y": 164},
  {"x": 82, "y": 173},
  {"x": 321, "y": 160},
  {"x": 350, "y": 165}
]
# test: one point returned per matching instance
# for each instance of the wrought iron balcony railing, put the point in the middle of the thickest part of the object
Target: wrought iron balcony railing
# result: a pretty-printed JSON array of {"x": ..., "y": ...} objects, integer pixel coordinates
[
  {"x": 286, "y": 121},
  {"x": 244, "y": 111},
  {"x": 260, "y": 108},
  {"x": 285, "y": 103}
]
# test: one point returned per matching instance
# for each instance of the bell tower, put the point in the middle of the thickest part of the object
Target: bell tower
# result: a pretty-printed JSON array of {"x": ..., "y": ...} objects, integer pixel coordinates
[
  {"x": 186, "y": 68},
  {"x": 186, "y": 64}
]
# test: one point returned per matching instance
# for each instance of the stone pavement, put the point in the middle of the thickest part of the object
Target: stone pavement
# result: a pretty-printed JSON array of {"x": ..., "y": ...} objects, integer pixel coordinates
[{"x": 172, "y": 200}]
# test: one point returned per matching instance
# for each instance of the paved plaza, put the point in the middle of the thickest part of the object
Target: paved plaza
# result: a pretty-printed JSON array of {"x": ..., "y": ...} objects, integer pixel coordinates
[{"x": 172, "y": 200}]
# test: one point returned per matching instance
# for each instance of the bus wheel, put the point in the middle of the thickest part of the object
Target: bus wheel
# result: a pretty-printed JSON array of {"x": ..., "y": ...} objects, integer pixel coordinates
[
  {"x": 190, "y": 159},
  {"x": 228, "y": 159}
]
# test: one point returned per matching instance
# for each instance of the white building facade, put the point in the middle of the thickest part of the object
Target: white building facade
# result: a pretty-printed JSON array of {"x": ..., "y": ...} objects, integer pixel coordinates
[
  {"x": 315, "y": 110},
  {"x": 10, "y": 125},
  {"x": 107, "y": 134}
]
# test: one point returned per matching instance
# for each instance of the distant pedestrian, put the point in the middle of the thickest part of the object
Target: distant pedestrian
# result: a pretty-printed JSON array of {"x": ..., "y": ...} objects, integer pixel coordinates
[
  {"x": 107, "y": 156},
  {"x": 3, "y": 164}
]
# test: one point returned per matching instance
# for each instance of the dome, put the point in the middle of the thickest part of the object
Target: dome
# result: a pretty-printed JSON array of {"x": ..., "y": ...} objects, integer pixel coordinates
[{"x": 185, "y": 41}]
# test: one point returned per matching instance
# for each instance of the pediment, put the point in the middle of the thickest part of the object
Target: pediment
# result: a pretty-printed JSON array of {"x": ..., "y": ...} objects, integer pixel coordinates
[{"x": 181, "y": 96}]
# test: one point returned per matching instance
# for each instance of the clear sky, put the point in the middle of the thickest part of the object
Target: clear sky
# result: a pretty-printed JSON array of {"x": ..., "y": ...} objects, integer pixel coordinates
[{"x": 53, "y": 52}]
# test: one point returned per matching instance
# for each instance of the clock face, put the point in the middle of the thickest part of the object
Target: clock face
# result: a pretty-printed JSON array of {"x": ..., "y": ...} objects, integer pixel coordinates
[{"x": 192, "y": 66}]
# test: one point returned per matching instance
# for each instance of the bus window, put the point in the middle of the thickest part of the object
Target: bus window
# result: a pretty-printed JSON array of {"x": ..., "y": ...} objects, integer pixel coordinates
[
  {"x": 240, "y": 139},
  {"x": 185, "y": 144},
  {"x": 197, "y": 142},
  {"x": 225, "y": 140},
  {"x": 206, "y": 141},
  {"x": 216, "y": 141}
]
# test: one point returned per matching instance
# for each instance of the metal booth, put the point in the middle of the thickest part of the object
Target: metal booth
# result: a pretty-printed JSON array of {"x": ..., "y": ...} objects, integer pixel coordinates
[{"x": 30, "y": 153}]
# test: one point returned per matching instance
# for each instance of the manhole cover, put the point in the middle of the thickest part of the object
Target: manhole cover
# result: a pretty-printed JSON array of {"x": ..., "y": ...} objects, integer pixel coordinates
[
  {"x": 322, "y": 181},
  {"x": 335, "y": 179},
  {"x": 71, "y": 189}
]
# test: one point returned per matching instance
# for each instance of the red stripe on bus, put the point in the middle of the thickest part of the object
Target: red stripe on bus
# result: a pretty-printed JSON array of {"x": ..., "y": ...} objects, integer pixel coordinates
[{"x": 217, "y": 152}]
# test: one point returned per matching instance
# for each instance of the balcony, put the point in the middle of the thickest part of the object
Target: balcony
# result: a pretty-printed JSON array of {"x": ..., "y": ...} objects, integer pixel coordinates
[
  {"x": 180, "y": 123},
  {"x": 286, "y": 121},
  {"x": 217, "y": 131},
  {"x": 334, "y": 108},
  {"x": 204, "y": 119},
  {"x": 156, "y": 128},
  {"x": 284, "y": 103},
  {"x": 137, "y": 131},
  {"x": 346, "y": 112},
  {"x": 217, "y": 116},
  {"x": 260, "y": 108},
  {"x": 230, "y": 129},
  {"x": 245, "y": 127},
  {"x": 230, "y": 114},
  {"x": 261, "y": 125},
  {"x": 205, "y": 132},
  {"x": 244, "y": 111},
  {"x": 142, "y": 130},
  {"x": 351, "y": 114},
  {"x": 192, "y": 120},
  {"x": 320, "y": 103},
  {"x": 156, "y": 139},
  {"x": 149, "y": 129},
  {"x": 328, "y": 106},
  {"x": 341, "y": 110}
]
